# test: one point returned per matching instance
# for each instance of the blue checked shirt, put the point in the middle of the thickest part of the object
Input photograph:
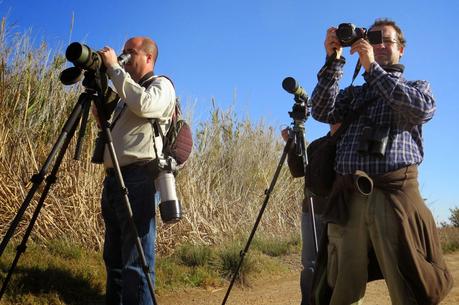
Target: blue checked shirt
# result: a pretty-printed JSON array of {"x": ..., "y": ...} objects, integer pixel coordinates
[{"x": 399, "y": 104}]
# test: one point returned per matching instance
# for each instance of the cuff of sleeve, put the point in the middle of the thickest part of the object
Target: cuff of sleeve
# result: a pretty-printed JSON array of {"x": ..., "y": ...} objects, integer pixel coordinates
[
  {"x": 112, "y": 70},
  {"x": 376, "y": 72},
  {"x": 332, "y": 69},
  {"x": 341, "y": 59}
]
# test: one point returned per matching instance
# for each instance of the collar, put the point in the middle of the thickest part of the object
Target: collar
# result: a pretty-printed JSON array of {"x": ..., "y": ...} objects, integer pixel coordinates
[
  {"x": 145, "y": 77},
  {"x": 394, "y": 68}
]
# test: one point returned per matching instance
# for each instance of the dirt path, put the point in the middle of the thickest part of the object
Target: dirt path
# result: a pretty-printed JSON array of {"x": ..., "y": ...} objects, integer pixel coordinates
[{"x": 285, "y": 291}]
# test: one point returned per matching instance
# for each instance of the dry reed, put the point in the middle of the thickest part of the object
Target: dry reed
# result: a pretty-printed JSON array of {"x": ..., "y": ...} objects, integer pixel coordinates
[{"x": 222, "y": 186}]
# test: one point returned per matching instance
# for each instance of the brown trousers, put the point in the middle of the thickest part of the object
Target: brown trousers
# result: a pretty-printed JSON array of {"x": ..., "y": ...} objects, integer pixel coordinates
[
  {"x": 387, "y": 233},
  {"x": 372, "y": 227}
]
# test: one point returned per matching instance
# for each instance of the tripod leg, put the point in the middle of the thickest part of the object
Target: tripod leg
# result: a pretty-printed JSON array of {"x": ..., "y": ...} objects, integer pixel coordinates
[
  {"x": 313, "y": 224},
  {"x": 51, "y": 179},
  {"x": 37, "y": 179},
  {"x": 260, "y": 214},
  {"x": 82, "y": 131},
  {"x": 127, "y": 204}
]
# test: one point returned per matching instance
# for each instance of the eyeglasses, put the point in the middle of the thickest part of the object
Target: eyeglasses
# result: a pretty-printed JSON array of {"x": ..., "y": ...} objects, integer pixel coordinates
[{"x": 388, "y": 41}]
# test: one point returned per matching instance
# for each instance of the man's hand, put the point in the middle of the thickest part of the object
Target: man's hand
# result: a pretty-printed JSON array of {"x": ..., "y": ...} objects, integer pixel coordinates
[
  {"x": 284, "y": 134},
  {"x": 334, "y": 128},
  {"x": 96, "y": 115},
  {"x": 332, "y": 43},
  {"x": 365, "y": 50},
  {"x": 108, "y": 56}
]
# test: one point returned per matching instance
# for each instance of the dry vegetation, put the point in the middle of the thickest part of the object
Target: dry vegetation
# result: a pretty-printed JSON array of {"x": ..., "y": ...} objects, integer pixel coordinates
[
  {"x": 222, "y": 189},
  {"x": 222, "y": 186}
]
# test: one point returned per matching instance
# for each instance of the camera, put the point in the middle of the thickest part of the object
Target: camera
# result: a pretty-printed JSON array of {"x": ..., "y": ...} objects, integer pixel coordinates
[
  {"x": 169, "y": 207},
  {"x": 373, "y": 140},
  {"x": 348, "y": 33}
]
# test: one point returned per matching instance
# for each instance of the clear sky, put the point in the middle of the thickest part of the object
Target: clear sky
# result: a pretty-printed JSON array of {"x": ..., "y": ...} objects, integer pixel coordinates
[{"x": 239, "y": 51}]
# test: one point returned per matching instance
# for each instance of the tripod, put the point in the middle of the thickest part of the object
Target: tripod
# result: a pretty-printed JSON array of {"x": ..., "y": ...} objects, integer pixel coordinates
[
  {"x": 299, "y": 114},
  {"x": 79, "y": 114}
]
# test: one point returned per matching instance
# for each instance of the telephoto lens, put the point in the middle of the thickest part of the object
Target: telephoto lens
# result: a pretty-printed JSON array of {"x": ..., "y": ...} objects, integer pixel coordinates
[
  {"x": 169, "y": 207},
  {"x": 83, "y": 56}
]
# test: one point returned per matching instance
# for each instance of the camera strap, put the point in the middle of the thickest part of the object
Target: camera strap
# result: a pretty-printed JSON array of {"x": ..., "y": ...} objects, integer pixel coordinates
[
  {"x": 328, "y": 62},
  {"x": 144, "y": 82},
  {"x": 357, "y": 68},
  {"x": 157, "y": 130}
]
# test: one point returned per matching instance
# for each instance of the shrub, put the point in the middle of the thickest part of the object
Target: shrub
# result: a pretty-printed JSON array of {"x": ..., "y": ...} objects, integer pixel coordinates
[{"x": 454, "y": 218}]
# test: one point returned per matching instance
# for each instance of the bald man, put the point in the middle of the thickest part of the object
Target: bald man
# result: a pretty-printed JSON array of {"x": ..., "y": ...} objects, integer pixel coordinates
[{"x": 143, "y": 96}]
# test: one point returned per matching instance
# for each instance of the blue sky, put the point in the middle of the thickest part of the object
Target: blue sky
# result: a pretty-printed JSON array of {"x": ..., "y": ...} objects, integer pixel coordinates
[{"x": 239, "y": 51}]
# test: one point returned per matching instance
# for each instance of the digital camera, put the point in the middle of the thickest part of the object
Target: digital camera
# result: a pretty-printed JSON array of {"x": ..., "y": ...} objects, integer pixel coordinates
[{"x": 348, "y": 33}]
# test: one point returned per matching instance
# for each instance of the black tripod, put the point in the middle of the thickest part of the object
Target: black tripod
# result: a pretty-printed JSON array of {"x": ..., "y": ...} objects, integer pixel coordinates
[
  {"x": 79, "y": 114},
  {"x": 299, "y": 115}
]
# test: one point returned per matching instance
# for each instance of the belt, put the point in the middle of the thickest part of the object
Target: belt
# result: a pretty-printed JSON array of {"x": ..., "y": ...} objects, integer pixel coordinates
[{"x": 129, "y": 167}]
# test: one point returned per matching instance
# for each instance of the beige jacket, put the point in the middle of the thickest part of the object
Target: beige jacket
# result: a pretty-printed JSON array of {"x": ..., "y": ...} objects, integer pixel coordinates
[{"x": 132, "y": 132}]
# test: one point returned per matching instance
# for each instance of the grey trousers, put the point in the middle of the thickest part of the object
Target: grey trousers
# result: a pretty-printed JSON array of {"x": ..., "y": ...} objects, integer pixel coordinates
[{"x": 308, "y": 253}]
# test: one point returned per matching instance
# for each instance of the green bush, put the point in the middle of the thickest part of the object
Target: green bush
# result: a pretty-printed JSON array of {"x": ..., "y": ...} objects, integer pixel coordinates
[
  {"x": 454, "y": 217},
  {"x": 229, "y": 259},
  {"x": 276, "y": 246},
  {"x": 194, "y": 255}
]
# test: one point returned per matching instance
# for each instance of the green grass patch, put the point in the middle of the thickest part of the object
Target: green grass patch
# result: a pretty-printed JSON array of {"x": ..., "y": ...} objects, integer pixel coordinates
[
  {"x": 62, "y": 273},
  {"x": 449, "y": 247},
  {"x": 53, "y": 275},
  {"x": 195, "y": 255},
  {"x": 449, "y": 239},
  {"x": 276, "y": 247},
  {"x": 65, "y": 249},
  {"x": 229, "y": 259}
]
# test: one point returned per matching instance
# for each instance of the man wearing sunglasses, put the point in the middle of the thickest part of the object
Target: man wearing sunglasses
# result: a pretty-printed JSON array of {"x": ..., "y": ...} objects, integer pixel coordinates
[{"x": 388, "y": 231}]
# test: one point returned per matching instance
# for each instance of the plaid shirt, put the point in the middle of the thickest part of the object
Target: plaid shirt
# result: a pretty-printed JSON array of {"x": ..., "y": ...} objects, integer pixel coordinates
[{"x": 401, "y": 105}]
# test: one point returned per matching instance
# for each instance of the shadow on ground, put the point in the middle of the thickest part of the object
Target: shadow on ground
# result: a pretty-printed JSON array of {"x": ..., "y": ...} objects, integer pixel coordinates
[{"x": 69, "y": 288}]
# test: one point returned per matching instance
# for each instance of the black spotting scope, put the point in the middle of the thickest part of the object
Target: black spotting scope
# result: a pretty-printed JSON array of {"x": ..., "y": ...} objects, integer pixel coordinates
[
  {"x": 291, "y": 86},
  {"x": 85, "y": 58}
]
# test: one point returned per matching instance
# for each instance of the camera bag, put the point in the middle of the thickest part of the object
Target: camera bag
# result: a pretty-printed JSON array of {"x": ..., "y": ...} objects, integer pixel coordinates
[{"x": 320, "y": 172}]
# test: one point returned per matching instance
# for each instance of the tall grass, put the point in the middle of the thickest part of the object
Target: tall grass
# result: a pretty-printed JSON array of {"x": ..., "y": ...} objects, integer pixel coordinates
[
  {"x": 221, "y": 187},
  {"x": 449, "y": 238},
  {"x": 34, "y": 106}
]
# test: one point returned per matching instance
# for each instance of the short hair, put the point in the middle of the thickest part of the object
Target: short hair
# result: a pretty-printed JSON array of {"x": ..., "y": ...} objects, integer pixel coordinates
[
  {"x": 385, "y": 21},
  {"x": 150, "y": 47}
]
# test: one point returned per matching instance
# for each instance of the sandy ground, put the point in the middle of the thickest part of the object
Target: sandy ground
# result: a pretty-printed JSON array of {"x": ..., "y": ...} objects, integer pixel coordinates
[{"x": 285, "y": 291}]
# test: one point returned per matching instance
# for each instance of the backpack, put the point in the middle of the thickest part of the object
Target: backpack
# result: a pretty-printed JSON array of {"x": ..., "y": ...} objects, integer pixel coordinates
[{"x": 178, "y": 140}]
